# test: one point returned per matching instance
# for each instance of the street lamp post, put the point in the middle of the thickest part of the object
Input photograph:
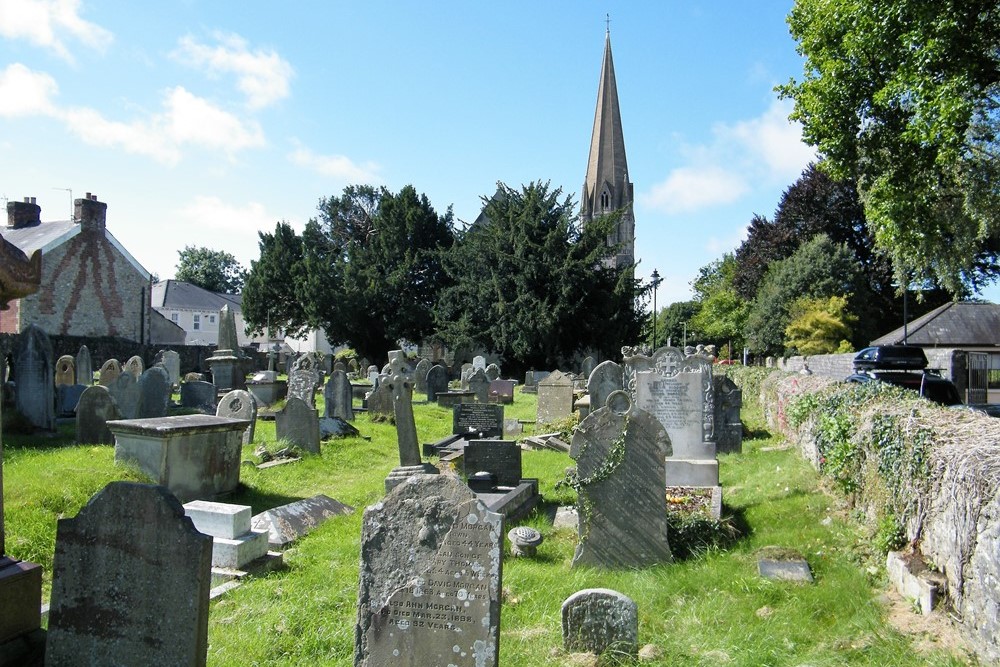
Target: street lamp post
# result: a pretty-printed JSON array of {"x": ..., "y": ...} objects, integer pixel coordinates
[{"x": 656, "y": 283}]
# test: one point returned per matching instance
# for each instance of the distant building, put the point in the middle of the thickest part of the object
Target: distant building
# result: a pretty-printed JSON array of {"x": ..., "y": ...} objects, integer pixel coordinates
[
  {"x": 196, "y": 311},
  {"x": 91, "y": 285}
]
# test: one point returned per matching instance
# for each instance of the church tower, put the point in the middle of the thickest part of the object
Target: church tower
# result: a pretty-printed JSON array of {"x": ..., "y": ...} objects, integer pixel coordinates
[{"x": 607, "y": 188}]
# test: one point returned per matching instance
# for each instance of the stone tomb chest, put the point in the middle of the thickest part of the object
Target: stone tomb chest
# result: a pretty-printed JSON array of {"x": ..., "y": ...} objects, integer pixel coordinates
[{"x": 195, "y": 456}]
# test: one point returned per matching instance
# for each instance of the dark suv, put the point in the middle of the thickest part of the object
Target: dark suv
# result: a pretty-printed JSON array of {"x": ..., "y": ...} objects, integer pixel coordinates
[{"x": 906, "y": 367}]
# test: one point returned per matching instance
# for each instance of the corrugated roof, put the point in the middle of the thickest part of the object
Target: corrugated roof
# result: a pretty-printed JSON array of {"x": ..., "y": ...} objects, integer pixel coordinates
[
  {"x": 955, "y": 324},
  {"x": 179, "y": 295}
]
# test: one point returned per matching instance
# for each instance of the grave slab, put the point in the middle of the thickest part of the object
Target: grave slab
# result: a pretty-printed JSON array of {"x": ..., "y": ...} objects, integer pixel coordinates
[{"x": 287, "y": 523}]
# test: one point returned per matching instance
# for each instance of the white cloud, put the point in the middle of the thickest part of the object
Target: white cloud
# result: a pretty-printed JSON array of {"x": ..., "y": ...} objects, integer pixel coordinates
[
  {"x": 338, "y": 167},
  {"x": 689, "y": 189},
  {"x": 46, "y": 23},
  {"x": 774, "y": 139},
  {"x": 194, "y": 120},
  {"x": 213, "y": 213},
  {"x": 24, "y": 92},
  {"x": 263, "y": 76},
  {"x": 138, "y": 137}
]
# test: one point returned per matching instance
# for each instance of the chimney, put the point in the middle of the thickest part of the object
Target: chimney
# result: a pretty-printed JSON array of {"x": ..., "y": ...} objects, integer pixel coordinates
[
  {"x": 22, "y": 214},
  {"x": 90, "y": 214}
]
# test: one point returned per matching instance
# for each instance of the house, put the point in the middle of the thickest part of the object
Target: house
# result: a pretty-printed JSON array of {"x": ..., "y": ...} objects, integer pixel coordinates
[
  {"x": 90, "y": 285},
  {"x": 196, "y": 311}
]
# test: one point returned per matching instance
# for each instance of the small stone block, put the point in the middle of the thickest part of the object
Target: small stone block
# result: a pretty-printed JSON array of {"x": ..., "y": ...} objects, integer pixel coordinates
[
  {"x": 235, "y": 553},
  {"x": 692, "y": 472},
  {"x": 21, "y": 593},
  {"x": 785, "y": 570},
  {"x": 219, "y": 519}
]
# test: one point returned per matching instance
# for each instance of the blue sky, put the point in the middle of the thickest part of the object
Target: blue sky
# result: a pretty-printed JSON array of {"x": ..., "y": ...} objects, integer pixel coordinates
[{"x": 200, "y": 123}]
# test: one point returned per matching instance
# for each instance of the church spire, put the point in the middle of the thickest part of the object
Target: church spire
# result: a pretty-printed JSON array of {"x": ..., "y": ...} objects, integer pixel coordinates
[{"x": 607, "y": 187}]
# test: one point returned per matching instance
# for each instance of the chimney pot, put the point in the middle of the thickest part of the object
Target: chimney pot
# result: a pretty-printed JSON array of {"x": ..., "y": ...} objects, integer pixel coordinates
[
  {"x": 32, "y": 200},
  {"x": 87, "y": 196},
  {"x": 27, "y": 200}
]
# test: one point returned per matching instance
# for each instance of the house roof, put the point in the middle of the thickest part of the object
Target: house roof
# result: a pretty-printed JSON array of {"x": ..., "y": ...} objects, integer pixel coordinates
[
  {"x": 179, "y": 295},
  {"x": 955, "y": 324},
  {"x": 47, "y": 236}
]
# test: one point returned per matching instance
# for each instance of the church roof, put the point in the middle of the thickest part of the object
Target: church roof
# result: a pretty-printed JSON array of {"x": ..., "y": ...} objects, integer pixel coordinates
[{"x": 607, "y": 163}]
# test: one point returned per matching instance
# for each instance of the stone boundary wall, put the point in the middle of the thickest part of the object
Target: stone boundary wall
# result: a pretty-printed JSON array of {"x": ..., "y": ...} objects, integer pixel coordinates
[
  {"x": 956, "y": 521},
  {"x": 836, "y": 366}
]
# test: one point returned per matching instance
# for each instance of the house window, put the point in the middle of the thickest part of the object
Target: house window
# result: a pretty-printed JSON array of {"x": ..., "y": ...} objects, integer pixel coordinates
[
  {"x": 993, "y": 374},
  {"x": 211, "y": 319},
  {"x": 197, "y": 322},
  {"x": 173, "y": 317}
]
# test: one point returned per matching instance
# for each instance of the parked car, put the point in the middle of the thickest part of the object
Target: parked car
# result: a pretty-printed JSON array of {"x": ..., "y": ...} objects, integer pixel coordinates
[
  {"x": 891, "y": 357},
  {"x": 927, "y": 384}
]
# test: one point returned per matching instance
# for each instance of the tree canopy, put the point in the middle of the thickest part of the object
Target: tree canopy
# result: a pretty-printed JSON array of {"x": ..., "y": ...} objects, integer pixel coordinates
[
  {"x": 214, "y": 270},
  {"x": 271, "y": 296},
  {"x": 902, "y": 95},
  {"x": 722, "y": 313}
]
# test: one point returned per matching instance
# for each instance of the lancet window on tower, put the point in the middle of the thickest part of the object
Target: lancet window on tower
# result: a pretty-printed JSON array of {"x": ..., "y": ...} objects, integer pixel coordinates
[{"x": 605, "y": 201}]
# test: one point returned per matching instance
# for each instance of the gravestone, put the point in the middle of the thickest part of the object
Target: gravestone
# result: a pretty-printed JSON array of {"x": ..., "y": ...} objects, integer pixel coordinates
[
  {"x": 379, "y": 399},
  {"x": 65, "y": 371},
  {"x": 110, "y": 370},
  {"x": 480, "y": 420},
  {"x": 154, "y": 393},
  {"x": 130, "y": 582},
  {"x": 95, "y": 409},
  {"x": 34, "y": 377},
  {"x": 125, "y": 391},
  {"x": 287, "y": 523},
  {"x": 135, "y": 366},
  {"x": 84, "y": 367},
  {"x": 600, "y": 620},
  {"x": 199, "y": 395},
  {"x": 430, "y": 581},
  {"x": 502, "y": 391},
  {"x": 467, "y": 371},
  {"x": 339, "y": 366},
  {"x": 339, "y": 397},
  {"x": 619, "y": 452},
  {"x": 302, "y": 384},
  {"x": 678, "y": 391},
  {"x": 501, "y": 458},
  {"x": 604, "y": 379},
  {"x": 353, "y": 366},
  {"x": 298, "y": 424},
  {"x": 728, "y": 425},
  {"x": 437, "y": 382},
  {"x": 372, "y": 373},
  {"x": 171, "y": 360},
  {"x": 587, "y": 367},
  {"x": 226, "y": 363},
  {"x": 492, "y": 372},
  {"x": 555, "y": 398},
  {"x": 400, "y": 387},
  {"x": 240, "y": 404},
  {"x": 420, "y": 376},
  {"x": 479, "y": 363},
  {"x": 480, "y": 386},
  {"x": 67, "y": 396}
]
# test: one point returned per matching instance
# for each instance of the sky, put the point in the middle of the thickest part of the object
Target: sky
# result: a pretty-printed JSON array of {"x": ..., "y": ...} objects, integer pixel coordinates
[{"x": 202, "y": 123}]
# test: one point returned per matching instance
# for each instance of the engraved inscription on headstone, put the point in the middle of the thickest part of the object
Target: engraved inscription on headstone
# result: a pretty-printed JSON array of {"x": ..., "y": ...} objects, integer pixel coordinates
[
  {"x": 600, "y": 620},
  {"x": 479, "y": 419},
  {"x": 302, "y": 384},
  {"x": 498, "y": 457}
]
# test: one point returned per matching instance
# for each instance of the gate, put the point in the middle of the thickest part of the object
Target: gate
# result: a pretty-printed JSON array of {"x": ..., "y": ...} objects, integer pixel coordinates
[{"x": 979, "y": 363}]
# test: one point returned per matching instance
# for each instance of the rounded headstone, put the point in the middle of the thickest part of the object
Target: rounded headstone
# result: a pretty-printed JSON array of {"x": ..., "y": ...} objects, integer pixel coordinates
[{"x": 599, "y": 620}]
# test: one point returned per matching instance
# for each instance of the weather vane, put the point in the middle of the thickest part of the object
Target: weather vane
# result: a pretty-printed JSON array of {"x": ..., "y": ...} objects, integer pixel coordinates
[{"x": 607, "y": 20}]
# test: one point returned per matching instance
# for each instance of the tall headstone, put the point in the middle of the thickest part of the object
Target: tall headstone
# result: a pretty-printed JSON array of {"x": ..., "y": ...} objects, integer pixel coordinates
[
  {"x": 728, "y": 424},
  {"x": 65, "y": 370},
  {"x": 171, "y": 360},
  {"x": 619, "y": 452},
  {"x": 587, "y": 367},
  {"x": 84, "y": 367},
  {"x": 479, "y": 363},
  {"x": 339, "y": 396},
  {"x": 298, "y": 424},
  {"x": 130, "y": 582},
  {"x": 154, "y": 393},
  {"x": 479, "y": 384},
  {"x": 379, "y": 399},
  {"x": 400, "y": 387},
  {"x": 240, "y": 404},
  {"x": 34, "y": 375},
  {"x": 492, "y": 372},
  {"x": 437, "y": 382},
  {"x": 600, "y": 620},
  {"x": 372, "y": 373},
  {"x": 420, "y": 376},
  {"x": 110, "y": 370},
  {"x": 555, "y": 398},
  {"x": 125, "y": 391},
  {"x": 302, "y": 384},
  {"x": 604, "y": 379},
  {"x": 199, "y": 395},
  {"x": 95, "y": 409},
  {"x": 227, "y": 361},
  {"x": 135, "y": 366},
  {"x": 467, "y": 371},
  {"x": 430, "y": 580}
]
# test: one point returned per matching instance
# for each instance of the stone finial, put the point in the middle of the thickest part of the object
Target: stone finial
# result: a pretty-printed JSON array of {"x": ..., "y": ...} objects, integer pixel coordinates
[{"x": 524, "y": 541}]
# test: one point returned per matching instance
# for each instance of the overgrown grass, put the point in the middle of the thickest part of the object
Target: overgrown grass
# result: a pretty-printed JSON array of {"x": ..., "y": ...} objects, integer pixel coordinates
[{"x": 712, "y": 609}]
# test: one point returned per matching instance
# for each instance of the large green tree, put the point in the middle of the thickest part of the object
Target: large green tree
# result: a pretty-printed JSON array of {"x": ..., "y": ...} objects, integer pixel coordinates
[
  {"x": 673, "y": 323},
  {"x": 214, "y": 270},
  {"x": 722, "y": 312},
  {"x": 530, "y": 284},
  {"x": 901, "y": 95},
  {"x": 272, "y": 296}
]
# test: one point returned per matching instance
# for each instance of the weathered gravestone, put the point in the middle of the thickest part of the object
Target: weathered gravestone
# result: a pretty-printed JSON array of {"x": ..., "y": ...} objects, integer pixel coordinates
[
  {"x": 555, "y": 398},
  {"x": 437, "y": 382},
  {"x": 420, "y": 376},
  {"x": 466, "y": 373},
  {"x": 501, "y": 458},
  {"x": 125, "y": 391},
  {"x": 302, "y": 384},
  {"x": 67, "y": 396},
  {"x": 678, "y": 391},
  {"x": 600, "y": 620},
  {"x": 110, "y": 370},
  {"x": 430, "y": 580},
  {"x": 480, "y": 386},
  {"x": 130, "y": 582},
  {"x": 226, "y": 363},
  {"x": 492, "y": 372},
  {"x": 502, "y": 391},
  {"x": 399, "y": 387},
  {"x": 84, "y": 367},
  {"x": 728, "y": 426},
  {"x": 199, "y": 395},
  {"x": 479, "y": 363},
  {"x": 604, "y": 379},
  {"x": 170, "y": 360},
  {"x": 154, "y": 393},
  {"x": 135, "y": 366},
  {"x": 339, "y": 397},
  {"x": 339, "y": 366},
  {"x": 587, "y": 367},
  {"x": 379, "y": 399},
  {"x": 95, "y": 409},
  {"x": 287, "y": 523},
  {"x": 372, "y": 373},
  {"x": 479, "y": 420},
  {"x": 65, "y": 371},
  {"x": 33, "y": 374},
  {"x": 298, "y": 424},
  {"x": 619, "y": 452},
  {"x": 240, "y": 404}
]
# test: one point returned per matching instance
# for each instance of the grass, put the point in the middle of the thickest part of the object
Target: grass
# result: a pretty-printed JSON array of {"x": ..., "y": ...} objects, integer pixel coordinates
[{"x": 711, "y": 609}]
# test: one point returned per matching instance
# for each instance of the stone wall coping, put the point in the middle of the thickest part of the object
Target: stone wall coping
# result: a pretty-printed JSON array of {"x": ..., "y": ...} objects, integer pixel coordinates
[{"x": 177, "y": 425}]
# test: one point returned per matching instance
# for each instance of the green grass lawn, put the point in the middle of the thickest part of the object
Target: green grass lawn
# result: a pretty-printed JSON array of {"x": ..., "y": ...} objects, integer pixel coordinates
[{"x": 712, "y": 609}]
